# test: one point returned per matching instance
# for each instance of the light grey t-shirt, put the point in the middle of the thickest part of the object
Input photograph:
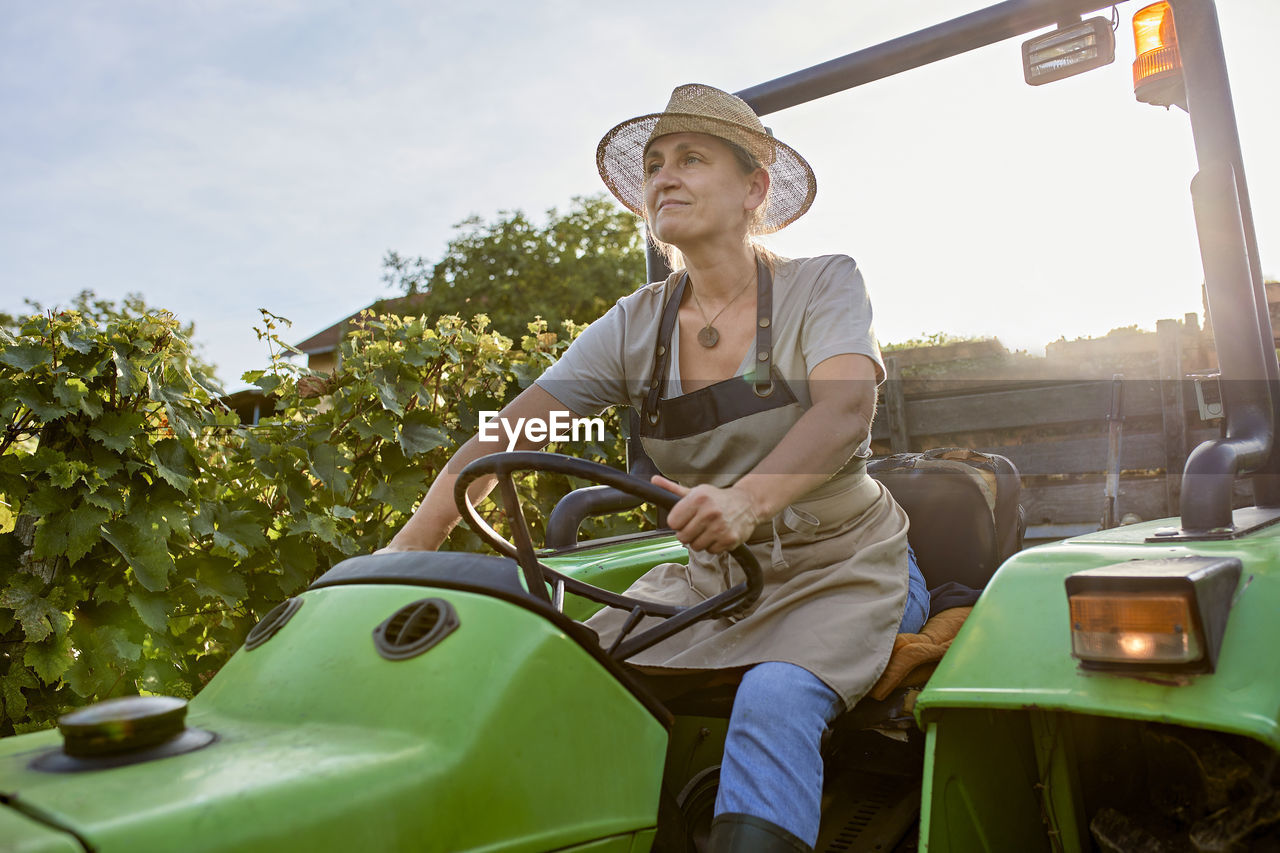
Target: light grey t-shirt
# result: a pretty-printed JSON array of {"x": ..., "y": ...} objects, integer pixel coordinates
[{"x": 820, "y": 309}]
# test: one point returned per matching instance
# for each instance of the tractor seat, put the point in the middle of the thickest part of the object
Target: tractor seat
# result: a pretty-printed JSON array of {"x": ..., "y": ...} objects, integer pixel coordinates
[{"x": 963, "y": 508}]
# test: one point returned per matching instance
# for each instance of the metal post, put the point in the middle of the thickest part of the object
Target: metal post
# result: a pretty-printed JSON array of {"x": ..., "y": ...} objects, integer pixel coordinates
[
  {"x": 1173, "y": 410},
  {"x": 1233, "y": 284},
  {"x": 1115, "y": 435}
]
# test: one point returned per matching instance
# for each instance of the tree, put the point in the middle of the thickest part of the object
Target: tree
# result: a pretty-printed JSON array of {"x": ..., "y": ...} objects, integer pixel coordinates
[{"x": 574, "y": 267}]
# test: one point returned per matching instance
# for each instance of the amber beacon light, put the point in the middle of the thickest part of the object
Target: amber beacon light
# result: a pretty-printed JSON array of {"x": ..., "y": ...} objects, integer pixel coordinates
[{"x": 1157, "y": 70}]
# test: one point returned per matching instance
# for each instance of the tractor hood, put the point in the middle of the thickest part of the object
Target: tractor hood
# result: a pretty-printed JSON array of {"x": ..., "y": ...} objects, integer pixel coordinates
[{"x": 504, "y": 732}]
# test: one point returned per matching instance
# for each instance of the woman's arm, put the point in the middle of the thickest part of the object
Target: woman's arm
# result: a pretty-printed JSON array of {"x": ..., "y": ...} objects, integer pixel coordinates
[
  {"x": 843, "y": 391},
  {"x": 438, "y": 514}
]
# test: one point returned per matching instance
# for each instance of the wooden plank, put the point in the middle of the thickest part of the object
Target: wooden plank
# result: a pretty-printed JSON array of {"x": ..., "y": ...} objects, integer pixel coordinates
[
  {"x": 1071, "y": 503},
  {"x": 895, "y": 406},
  {"x": 1083, "y": 455},
  {"x": 1088, "y": 455},
  {"x": 880, "y": 424},
  {"x": 1026, "y": 404}
]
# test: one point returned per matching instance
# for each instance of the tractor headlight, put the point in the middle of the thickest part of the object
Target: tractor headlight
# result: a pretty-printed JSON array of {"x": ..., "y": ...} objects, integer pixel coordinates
[{"x": 1152, "y": 614}]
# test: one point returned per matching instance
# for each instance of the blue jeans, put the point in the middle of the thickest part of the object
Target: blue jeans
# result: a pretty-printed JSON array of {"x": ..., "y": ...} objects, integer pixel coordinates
[{"x": 772, "y": 767}]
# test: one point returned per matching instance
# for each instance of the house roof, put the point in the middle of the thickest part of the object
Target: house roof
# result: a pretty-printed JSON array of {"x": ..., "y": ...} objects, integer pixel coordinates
[{"x": 327, "y": 340}]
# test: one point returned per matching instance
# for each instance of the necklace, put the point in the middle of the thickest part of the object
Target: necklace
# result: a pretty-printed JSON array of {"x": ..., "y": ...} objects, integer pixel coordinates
[{"x": 708, "y": 336}]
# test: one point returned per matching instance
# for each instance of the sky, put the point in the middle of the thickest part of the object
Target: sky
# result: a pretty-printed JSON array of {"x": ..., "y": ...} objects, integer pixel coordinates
[{"x": 221, "y": 156}]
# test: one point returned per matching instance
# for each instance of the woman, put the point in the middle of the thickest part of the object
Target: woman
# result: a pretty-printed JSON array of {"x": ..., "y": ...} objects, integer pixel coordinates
[{"x": 755, "y": 378}]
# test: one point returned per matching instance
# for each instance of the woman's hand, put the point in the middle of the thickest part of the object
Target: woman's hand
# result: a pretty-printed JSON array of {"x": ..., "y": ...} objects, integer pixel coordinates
[{"x": 708, "y": 518}]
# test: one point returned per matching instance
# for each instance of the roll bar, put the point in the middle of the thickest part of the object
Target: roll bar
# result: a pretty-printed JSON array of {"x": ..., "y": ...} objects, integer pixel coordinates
[{"x": 1249, "y": 371}]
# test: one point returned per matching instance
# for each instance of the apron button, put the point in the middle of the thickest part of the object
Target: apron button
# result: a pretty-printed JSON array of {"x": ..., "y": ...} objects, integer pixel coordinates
[
  {"x": 662, "y": 350},
  {"x": 764, "y": 322},
  {"x": 763, "y": 355}
]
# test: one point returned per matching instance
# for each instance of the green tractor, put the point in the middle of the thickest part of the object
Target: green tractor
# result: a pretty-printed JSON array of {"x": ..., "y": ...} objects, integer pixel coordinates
[{"x": 1110, "y": 692}]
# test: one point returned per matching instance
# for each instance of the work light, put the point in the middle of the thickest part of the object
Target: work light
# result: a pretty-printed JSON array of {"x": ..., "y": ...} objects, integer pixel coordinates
[
  {"x": 1068, "y": 50},
  {"x": 1152, "y": 614}
]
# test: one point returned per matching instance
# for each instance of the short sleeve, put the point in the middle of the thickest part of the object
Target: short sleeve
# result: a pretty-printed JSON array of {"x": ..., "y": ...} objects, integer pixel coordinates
[
  {"x": 589, "y": 377},
  {"x": 838, "y": 317}
]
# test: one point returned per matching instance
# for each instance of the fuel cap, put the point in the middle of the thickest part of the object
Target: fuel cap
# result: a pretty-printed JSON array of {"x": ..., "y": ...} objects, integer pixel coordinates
[{"x": 122, "y": 725}]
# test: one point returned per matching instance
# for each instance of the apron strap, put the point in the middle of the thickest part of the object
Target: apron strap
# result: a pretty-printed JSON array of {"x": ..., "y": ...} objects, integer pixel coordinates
[
  {"x": 763, "y": 364},
  {"x": 662, "y": 352},
  {"x": 763, "y": 384}
]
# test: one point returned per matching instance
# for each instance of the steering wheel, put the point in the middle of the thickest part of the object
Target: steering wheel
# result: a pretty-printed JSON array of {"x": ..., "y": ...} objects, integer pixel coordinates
[{"x": 537, "y": 575}]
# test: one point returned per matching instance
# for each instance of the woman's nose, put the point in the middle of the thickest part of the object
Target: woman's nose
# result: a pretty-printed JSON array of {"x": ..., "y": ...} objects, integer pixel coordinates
[{"x": 662, "y": 176}]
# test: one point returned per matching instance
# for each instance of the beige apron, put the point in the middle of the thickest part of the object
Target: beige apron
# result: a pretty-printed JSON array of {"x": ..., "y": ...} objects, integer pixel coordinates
[{"x": 835, "y": 561}]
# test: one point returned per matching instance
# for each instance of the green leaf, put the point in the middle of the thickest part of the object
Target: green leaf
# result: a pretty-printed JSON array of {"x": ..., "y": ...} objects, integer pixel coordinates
[
  {"x": 326, "y": 528},
  {"x": 379, "y": 423},
  {"x": 39, "y": 618},
  {"x": 218, "y": 578},
  {"x": 297, "y": 563},
  {"x": 64, "y": 474},
  {"x": 73, "y": 393},
  {"x": 330, "y": 465},
  {"x": 174, "y": 463},
  {"x": 116, "y": 641},
  {"x": 71, "y": 533},
  {"x": 235, "y": 532},
  {"x": 152, "y": 609},
  {"x": 25, "y": 357},
  {"x": 145, "y": 550},
  {"x": 340, "y": 511},
  {"x": 95, "y": 670},
  {"x": 420, "y": 434},
  {"x": 117, "y": 430},
  {"x": 108, "y": 499},
  {"x": 75, "y": 342},
  {"x": 46, "y": 410},
  {"x": 162, "y": 392},
  {"x": 50, "y": 659},
  {"x": 11, "y": 686},
  {"x": 129, "y": 380},
  {"x": 401, "y": 490},
  {"x": 267, "y": 382}
]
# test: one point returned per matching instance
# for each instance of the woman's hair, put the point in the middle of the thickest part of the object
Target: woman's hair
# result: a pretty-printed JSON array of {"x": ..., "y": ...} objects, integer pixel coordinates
[{"x": 748, "y": 163}]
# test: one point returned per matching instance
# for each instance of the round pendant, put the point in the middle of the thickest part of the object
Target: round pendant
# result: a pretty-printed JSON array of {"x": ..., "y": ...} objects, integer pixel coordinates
[{"x": 708, "y": 336}]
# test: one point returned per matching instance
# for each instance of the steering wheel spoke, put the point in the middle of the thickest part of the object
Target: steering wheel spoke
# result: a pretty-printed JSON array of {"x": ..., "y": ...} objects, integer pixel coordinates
[
  {"x": 525, "y": 555},
  {"x": 537, "y": 575}
]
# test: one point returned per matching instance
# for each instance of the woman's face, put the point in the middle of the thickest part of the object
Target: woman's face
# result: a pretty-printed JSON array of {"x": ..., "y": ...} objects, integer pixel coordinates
[{"x": 695, "y": 189}]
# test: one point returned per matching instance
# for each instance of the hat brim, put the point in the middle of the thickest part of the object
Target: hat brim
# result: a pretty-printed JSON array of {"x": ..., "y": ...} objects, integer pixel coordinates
[{"x": 620, "y": 160}]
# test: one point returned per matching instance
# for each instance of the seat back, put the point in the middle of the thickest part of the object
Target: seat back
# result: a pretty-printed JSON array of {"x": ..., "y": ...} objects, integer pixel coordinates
[{"x": 963, "y": 506}]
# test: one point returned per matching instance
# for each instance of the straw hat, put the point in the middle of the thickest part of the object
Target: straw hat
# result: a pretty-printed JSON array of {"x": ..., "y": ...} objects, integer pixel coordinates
[{"x": 695, "y": 108}]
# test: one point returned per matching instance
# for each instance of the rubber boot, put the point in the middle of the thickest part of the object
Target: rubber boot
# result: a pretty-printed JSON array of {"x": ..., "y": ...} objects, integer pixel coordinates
[{"x": 743, "y": 833}]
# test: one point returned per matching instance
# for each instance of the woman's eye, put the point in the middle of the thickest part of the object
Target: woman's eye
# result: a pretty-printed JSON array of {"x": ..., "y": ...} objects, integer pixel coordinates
[
  {"x": 652, "y": 167},
  {"x": 691, "y": 158}
]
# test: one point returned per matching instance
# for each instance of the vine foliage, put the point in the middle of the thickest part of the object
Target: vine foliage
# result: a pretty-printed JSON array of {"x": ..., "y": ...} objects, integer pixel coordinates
[{"x": 144, "y": 530}]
